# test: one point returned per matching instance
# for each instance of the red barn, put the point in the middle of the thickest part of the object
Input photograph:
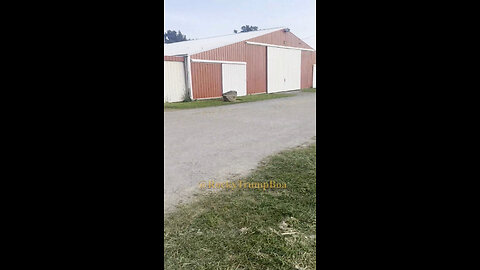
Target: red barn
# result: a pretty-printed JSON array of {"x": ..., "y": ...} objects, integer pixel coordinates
[{"x": 265, "y": 61}]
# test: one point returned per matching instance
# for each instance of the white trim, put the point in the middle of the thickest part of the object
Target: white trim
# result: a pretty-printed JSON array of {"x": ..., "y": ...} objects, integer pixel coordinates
[
  {"x": 218, "y": 62},
  {"x": 278, "y": 46},
  {"x": 189, "y": 74}
]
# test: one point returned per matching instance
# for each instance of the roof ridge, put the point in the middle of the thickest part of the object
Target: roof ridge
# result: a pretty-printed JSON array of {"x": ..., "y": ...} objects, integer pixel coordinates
[
  {"x": 228, "y": 35},
  {"x": 192, "y": 47}
]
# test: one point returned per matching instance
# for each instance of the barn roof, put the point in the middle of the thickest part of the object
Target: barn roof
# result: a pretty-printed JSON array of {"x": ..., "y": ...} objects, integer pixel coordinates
[{"x": 206, "y": 44}]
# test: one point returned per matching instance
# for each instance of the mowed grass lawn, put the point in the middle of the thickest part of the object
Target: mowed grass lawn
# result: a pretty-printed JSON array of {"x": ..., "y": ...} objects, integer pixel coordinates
[
  {"x": 309, "y": 90},
  {"x": 250, "y": 228},
  {"x": 220, "y": 102}
]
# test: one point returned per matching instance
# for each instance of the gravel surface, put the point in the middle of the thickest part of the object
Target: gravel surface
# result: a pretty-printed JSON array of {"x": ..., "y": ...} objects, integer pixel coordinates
[{"x": 227, "y": 142}]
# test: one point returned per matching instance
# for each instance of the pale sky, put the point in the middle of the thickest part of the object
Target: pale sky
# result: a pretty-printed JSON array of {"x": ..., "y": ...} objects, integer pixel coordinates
[{"x": 208, "y": 18}]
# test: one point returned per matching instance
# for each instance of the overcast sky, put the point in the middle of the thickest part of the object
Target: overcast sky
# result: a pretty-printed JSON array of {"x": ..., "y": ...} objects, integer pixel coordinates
[{"x": 207, "y": 18}]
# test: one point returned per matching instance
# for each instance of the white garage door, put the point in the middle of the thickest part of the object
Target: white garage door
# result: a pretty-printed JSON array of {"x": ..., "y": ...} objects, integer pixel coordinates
[
  {"x": 174, "y": 88},
  {"x": 314, "y": 76},
  {"x": 283, "y": 69},
  {"x": 234, "y": 78}
]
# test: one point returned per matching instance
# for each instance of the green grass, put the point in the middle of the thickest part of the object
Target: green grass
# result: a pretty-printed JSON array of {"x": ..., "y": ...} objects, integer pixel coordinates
[
  {"x": 250, "y": 228},
  {"x": 310, "y": 90},
  {"x": 220, "y": 102}
]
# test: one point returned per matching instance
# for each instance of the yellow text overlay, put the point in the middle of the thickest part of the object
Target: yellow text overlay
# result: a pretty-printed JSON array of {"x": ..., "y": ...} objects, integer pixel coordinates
[{"x": 241, "y": 184}]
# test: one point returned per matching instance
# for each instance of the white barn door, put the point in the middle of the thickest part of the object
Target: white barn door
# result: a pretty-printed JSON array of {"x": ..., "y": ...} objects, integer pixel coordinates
[
  {"x": 174, "y": 88},
  {"x": 283, "y": 69},
  {"x": 234, "y": 78},
  {"x": 314, "y": 76}
]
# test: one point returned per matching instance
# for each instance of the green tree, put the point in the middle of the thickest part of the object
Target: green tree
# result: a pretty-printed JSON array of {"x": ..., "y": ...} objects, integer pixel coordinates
[
  {"x": 247, "y": 28},
  {"x": 172, "y": 36}
]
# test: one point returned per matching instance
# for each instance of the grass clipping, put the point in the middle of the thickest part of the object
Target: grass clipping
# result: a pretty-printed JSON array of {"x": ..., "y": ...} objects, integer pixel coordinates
[{"x": 250, "y": 229}]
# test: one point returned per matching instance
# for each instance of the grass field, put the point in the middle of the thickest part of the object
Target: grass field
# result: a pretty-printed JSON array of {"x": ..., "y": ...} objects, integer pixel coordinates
[
  {"x": 242, "y": 228},
  {"x": 220, "y": 102},
  {"x": 310, "y": 90}
]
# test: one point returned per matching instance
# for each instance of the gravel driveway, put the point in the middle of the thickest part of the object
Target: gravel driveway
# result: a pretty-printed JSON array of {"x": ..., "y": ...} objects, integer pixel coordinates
[{"x": 226, "y": 142}]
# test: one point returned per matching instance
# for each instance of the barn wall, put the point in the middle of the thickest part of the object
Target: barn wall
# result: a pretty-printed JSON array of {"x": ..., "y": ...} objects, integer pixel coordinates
[
  {"x": 174, "y": 87},
  {"x": 254, "y": 56},
  {"x": 281, "y": 38},
  {"x": 289, "y": 39},
  {"x": 206, "y": 80},
  {"x": 232, "y": 52},
  {"x": 256, "y": 59},
  {"x": 173, "y": 58},
  {"x": 308, "y": 60}
]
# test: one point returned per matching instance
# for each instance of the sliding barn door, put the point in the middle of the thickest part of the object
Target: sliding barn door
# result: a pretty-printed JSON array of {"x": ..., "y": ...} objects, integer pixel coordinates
[
  {"x": 283, "y": 69},
  {"x": 234, "y": 78}
]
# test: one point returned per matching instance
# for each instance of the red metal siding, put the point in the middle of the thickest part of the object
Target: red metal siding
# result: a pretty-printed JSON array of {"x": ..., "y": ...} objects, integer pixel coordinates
[
  {"x": 206, "y": 80},
  {"x": 173, "y": 58},
  {"x": 308, "y": 60},
  {"x": 256, "y": 58},
  {"x": 232, "y": 52},
  {"x": 281, "y": 38},
  {"x": 256, "y": 69}
]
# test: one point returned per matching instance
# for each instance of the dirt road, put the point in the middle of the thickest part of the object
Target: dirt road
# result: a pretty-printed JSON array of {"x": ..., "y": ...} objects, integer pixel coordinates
[{"x": 219, "y": 143}]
